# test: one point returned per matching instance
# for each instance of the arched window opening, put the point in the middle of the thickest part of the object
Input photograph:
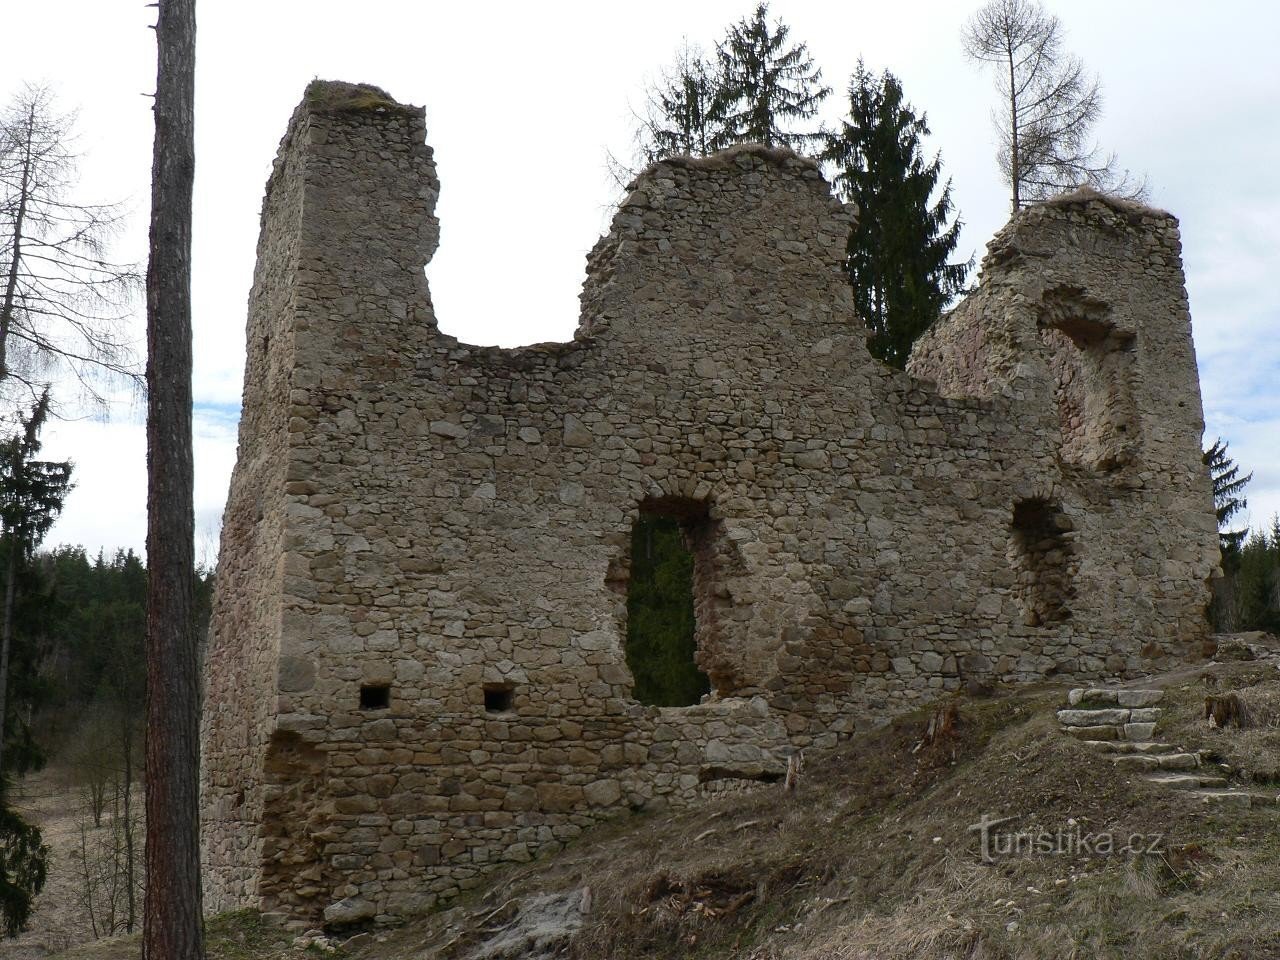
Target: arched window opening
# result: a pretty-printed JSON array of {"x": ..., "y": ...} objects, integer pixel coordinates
[
  {"x": 1092, "y": 365},
  {"x": 662, "y": 630}
]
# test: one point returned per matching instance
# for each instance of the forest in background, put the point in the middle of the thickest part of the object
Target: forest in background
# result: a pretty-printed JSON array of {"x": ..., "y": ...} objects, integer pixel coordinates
[{"x": 78, "y": 695}]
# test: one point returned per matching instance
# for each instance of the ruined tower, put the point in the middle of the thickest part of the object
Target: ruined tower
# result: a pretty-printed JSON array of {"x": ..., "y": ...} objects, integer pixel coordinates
[{"x": 416, "y": 668}]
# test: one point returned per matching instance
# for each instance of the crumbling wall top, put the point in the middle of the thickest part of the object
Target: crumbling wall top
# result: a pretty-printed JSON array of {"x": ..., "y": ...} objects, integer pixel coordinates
[
  {"x": 337, "y": 96},
  {"x": 1086, "y": 194}
]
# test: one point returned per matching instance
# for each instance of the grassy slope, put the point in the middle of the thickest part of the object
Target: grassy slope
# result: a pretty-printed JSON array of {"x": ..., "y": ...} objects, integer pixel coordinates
[{"x": 872, "y": 857}]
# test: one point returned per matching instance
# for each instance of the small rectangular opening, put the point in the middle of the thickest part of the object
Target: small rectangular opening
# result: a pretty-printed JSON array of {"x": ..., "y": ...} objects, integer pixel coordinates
[
  {"x": 375, "y": 696},
  {"x": 499, "y": 698}
]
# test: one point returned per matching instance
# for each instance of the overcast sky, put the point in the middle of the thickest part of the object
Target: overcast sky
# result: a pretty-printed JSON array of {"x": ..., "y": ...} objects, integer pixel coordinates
[{"x": 523, "y": 100}]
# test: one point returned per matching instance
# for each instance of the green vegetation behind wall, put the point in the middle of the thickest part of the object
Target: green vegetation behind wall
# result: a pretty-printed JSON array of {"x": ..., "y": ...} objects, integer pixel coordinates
[{"x": 660, "y": 618}]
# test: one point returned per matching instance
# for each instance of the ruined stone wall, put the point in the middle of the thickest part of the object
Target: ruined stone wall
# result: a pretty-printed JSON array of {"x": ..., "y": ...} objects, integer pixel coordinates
[
  {"x": 241, "y": 684},
  {"x": 454, "y": 521},
  {"x": 1082, "y": 320}
]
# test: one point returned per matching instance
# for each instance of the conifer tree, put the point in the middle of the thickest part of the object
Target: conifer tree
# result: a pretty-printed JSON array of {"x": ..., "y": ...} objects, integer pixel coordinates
[
  {"x": 1227, "y": 502},
  {"x": 31, "y": 496},
  {"x": 899, "y": 250},
  {"x": 766, "y": 87},
  {"x": 173, "y": 919}
]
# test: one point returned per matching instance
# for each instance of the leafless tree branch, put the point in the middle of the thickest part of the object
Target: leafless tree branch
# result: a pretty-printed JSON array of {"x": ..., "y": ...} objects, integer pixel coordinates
[
  {"x": 63, "y": 300},
  {"x": 1049, "y": 105}
]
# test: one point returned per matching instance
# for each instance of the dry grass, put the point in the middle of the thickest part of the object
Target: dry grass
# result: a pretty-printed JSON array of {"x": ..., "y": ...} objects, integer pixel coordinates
[
  {"x": 873, "y": 857},
  {"x": 59, "y": 921},
  {"x": 1134, "y": 209},
  {"x": 334, "y": 96},
  {"x": 1253, "y": 751},
  {"x": 232, "y": 936}
]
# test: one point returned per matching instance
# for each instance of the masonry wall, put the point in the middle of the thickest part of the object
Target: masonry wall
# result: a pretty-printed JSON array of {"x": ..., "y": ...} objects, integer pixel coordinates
[
  {"x": 442, "y": 519},
  {"x": 240, "y": 708}
]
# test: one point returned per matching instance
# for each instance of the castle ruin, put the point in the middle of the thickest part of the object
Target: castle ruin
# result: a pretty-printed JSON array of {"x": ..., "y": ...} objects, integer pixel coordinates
[{"x": 416, "y": 668}]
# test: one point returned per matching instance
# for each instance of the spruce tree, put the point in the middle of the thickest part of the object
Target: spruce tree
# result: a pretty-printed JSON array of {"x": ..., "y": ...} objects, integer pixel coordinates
[
  {"x": 1255, "y": 579},
  {"x": 31, "y": 496},
  {"x": 1227, "y": 502},
  {"x": 766, "y": 87},
  {"x": 899, "y": 250}
]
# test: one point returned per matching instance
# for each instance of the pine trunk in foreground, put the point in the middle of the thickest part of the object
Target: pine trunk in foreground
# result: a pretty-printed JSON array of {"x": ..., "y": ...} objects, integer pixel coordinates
[{"x": 172, "y": 915}]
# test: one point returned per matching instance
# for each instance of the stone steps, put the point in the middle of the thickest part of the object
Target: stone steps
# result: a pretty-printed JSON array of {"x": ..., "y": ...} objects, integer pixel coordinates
[
  {"x": 1113, "y": 696},
  {"x": 1160, "y": 761},
  {"x": 1188, "y": 781},
  {"x": 1129, "y": 746},
  {"x": 1099, "y": 715},
  {"x": 1244, "y": 798},
  {"x": 1120, "y": 725}
]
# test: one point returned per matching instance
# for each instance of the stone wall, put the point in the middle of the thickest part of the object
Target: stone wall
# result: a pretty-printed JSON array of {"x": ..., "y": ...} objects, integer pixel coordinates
[{"x": 447, "y": 526}]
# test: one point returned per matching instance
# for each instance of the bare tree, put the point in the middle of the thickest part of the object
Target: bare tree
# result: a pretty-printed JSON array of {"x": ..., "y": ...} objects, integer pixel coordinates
[
  {"x": 680, "y": 114},
  {"x": 1049, "y": 104},
  {"x": 63, "y": 302},
  {"x": 106, "y": 860},
  {"x": 678, "y": 117},
  {"x": 172, "y": 910}
]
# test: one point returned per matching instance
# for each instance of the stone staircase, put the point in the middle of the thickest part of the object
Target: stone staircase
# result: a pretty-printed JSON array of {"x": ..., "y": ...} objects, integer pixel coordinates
[{"x": 1120, "y": 724}]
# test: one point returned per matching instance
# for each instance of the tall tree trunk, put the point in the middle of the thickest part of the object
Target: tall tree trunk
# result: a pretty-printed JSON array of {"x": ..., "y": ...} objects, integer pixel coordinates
[
  {"x": 15, "y": 255},
  {"x": 6, "y": 635},
  {"x": 130, "y": 891},
  {"x": 172, "y": 910},
  {"x": 1015, "y": 161}
]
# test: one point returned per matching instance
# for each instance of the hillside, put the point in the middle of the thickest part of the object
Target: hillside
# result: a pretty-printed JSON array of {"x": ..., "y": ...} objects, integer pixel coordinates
[{"x": 873, "y": 855}]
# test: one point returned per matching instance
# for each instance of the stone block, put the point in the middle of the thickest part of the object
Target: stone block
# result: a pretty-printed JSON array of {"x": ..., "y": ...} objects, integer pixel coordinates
[
  {"x": 296, "y": 674},
  {"x": 558, "y": 797},
  {"x": 602, "y": 793},
  {"x": 348, "y": 911},
  {"x": 1139, "y": 731},
  {"x": 1135, "y": 761},
  {"x": 1092, "y": 718},
  {"x": 1093, "y": 695},
  {"x": 1139, "y": 698}
]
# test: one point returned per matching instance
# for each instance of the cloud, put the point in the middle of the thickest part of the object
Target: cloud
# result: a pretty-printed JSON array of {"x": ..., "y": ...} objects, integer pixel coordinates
[
  {"x": 533, "y": 180},
  {"x": 108, "y": 507}
]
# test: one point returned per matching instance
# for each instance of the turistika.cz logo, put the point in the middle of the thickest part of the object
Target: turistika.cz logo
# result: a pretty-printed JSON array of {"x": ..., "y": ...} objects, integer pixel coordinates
[{"x": 995, "y": 840}]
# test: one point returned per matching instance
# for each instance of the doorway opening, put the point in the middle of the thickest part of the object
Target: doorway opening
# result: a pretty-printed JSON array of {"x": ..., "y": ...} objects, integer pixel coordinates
[
  {"x": 1042, "y": 551},
  {"x": 662, "y": 628}
]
